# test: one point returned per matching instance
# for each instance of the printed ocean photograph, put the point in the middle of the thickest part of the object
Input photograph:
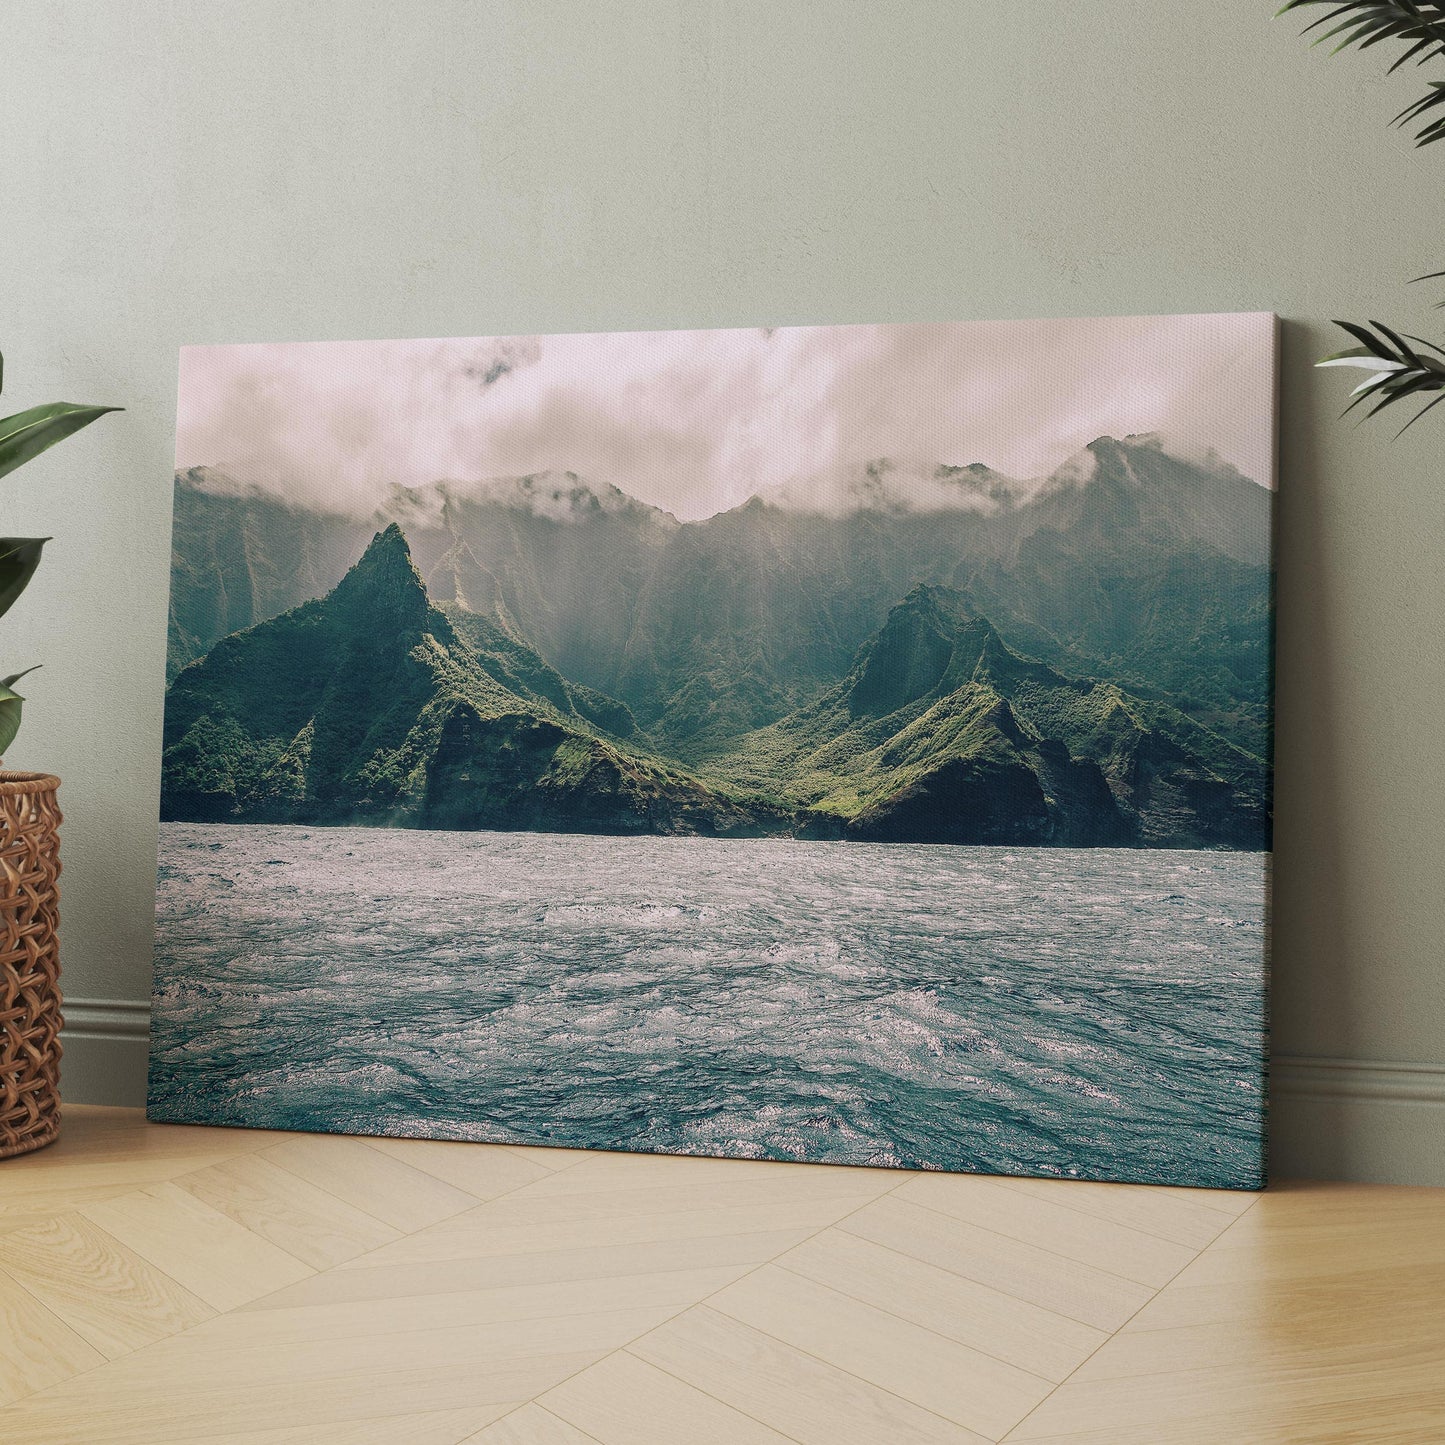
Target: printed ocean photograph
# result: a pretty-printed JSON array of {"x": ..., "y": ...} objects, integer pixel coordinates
[{"x": 843, "y": 744}]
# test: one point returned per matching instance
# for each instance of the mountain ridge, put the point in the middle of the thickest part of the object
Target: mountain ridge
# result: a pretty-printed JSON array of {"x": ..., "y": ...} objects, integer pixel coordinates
[
  {"x": 939, "y": 726},
  {"x": 374, "y": 704},
  {"x": 690, "y": 640},
  {"x": 360, "y": 707}
]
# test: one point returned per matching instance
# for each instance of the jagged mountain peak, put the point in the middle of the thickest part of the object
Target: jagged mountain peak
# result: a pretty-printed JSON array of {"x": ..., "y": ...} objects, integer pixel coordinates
[
  {"x": 388, "y": 552},
  {"x": 932, "y": 635},
  {"x": 933, "y": 642},
  {"x": 1107, "y": 444},
  {"x": 385, "y": 583},
  {"x": 1136, "y": 494},
  {"x": 938, "y": 597},
  {"x": 1149, "y": 457},
  {"x": 945, "y": 610},
  {"x": 978, "y": 480}
]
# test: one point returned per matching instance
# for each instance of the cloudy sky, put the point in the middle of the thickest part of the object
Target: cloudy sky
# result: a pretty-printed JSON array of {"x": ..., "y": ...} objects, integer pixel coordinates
[{"x": 697, "y": 421}]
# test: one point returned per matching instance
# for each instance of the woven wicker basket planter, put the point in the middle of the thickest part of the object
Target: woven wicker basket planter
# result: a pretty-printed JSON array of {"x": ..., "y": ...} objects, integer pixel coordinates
[{"x": 29, "y": 962}]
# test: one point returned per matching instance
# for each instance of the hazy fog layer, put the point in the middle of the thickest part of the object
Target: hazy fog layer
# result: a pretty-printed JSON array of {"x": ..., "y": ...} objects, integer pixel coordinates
[{"x": 697, "y": 421}]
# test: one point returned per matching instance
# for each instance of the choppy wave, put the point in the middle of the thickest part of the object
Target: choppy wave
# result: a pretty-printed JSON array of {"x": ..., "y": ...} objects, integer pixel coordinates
[{"x": 1096, "y": 1013}]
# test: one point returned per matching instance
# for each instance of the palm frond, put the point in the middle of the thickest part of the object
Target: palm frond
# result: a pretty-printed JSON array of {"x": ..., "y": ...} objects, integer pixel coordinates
[
  {"x": 1397, "y": 369},
  {"x": 1419, "y": 24}
]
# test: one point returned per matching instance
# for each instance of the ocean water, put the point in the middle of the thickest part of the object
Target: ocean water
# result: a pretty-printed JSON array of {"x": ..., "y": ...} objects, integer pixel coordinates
[{"x": 1081, "y": 1013}]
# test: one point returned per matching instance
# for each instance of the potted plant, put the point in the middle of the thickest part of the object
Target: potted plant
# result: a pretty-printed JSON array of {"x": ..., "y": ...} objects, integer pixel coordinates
[{"x": 29, "y": 845}]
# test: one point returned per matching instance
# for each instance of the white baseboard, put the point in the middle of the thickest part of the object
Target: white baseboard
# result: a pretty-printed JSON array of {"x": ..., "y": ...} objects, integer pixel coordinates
[{"x": 1356, "y": 1119}]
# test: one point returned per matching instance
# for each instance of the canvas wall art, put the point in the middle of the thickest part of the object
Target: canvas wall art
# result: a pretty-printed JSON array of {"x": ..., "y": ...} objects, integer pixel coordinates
[{"x": 843, "y": 743}]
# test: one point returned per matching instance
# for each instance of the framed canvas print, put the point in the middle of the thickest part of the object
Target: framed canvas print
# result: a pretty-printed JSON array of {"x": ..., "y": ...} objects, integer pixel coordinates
[{"x": 842, "y": 743}]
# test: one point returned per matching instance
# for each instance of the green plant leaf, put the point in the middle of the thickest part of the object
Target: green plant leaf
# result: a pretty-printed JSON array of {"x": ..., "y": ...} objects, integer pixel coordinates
[
  {"x": 1419, "y": 24},
  {"x": 1358, "y": 356},
  {"x": 19, "y": 557},
  {"x": 1397, "y": 370},
  {"x": 10, "y": 704},
  {"x": 28, "y": 433}
]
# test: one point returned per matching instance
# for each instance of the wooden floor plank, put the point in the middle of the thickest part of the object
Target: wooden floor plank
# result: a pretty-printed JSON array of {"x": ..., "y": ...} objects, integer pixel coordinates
[
  {"x": 40, "y": 1209},
  {"x": 481, "y": 1170},
  {"x": 203, "y": 1250},
  {"x": 953, "y": 1380},
  {"x": 1162, "y": 1212},
  {"x": 1305, "y": 1253},
  {"x": 1294, "y": 1305},
  {"x": 179, "y": 1367},
  {"x": 598, "y": 1173},
  {"x": 37, "y": 1347},
  {"x": 1269, "y": 1396},
  {"x": 531, "y": 1425},
  {"x": 490, "y": 1231},
  {"x": 1013, "y": 1330},
  {"x": 370, "y": 1180},
  {"x": 667, "y": 1291},
  {"x": 22, "y": 1188},
  {"x": 1415, "y": 1419},
  {"x": 96, "y": 1131},
  {"x": 145, "y": 1417},
  {"x": 534, "y": 1266},
  {"x": 550, "y": 1159},
  {"x": 1229, "y": 1201},
  {"x": 1307, "y": 1203},
  {"x": 306, "y": 1221},
  {"x": 169, "y": 1283},
  {"x": 1328, "y": 1345},
  {"x": 433, "y": 1427},
  {"x": 1065, "y": 1286},
  {"x": 1104, "y": 1244},
  {"x": 544, "y": 1203},
  {"x": 622, "y": 1400},
  {"x": 794, "y": 1392},
  {"x": 111, "y": 1297}
]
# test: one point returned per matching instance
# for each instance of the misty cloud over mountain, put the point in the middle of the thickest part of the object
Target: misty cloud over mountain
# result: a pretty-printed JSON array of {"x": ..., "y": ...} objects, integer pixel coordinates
[{"x": 697, "y": 422}]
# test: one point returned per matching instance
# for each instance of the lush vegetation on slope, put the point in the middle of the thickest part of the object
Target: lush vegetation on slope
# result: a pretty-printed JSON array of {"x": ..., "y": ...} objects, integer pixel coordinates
[{"x": 1084, "y": 660}]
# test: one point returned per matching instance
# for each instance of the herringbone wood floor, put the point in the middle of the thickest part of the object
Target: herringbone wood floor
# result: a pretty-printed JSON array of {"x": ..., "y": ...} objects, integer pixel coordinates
[{"x": 169, "y": 1284}]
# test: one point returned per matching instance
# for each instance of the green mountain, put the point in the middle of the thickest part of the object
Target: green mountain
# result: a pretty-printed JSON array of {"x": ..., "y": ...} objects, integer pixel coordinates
[
  {"x": 374, "y": 705},
  {"x": 239, "y": 556},
  {"x": 1149, "y": 570},
  {"x": 521, "y": 671},
  {"x": 941, "y": 733},
  {"x": 370, "y": 706},
  {"x": 557, "y": 561},
  {"x": 1083, "y": 658},
  {"x": 1127, "y": 563}
]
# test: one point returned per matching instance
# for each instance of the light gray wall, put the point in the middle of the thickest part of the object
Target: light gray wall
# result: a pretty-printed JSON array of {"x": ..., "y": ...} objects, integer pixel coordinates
[{"x": 235, "y": 170}]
